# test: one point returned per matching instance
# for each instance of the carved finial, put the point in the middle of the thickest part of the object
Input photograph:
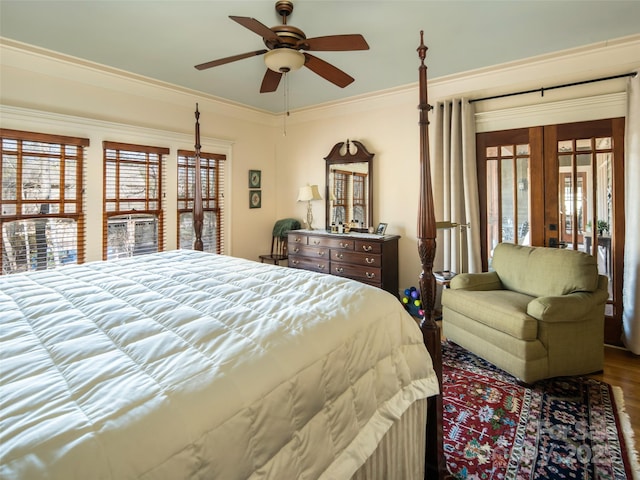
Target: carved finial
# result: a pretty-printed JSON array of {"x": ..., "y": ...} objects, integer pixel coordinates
[
  {"x": 197, "y": 112},
  {"x": 422, "y": 49},
  {"x": 348, "y": 145}
]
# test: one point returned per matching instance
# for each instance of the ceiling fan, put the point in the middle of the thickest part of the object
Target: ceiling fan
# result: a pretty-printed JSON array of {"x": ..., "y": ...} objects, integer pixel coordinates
[{"x": 287, "y": 48}]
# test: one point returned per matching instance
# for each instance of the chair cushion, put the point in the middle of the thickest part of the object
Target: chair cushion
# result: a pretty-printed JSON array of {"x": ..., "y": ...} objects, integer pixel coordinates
[
  {"x": 501, "y": 310},
  {"x": 543, "y": 272}
]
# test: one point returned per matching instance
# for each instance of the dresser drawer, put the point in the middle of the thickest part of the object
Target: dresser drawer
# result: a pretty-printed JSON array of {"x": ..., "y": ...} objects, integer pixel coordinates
[
  {"x": 309, "y": 251},
  {"x": 357, "y": 258},
  {"x": 295, "y": 239},
  {"x": 368, "y": 247},
  {"x": 339, "y": 243},
  {"x": 365, "y": 274},
  {"x": 317, "y": 265}
]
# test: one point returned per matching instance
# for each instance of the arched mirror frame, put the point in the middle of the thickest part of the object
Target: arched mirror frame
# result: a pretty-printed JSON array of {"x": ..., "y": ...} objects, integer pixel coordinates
[{"x": 337, "y": 157}]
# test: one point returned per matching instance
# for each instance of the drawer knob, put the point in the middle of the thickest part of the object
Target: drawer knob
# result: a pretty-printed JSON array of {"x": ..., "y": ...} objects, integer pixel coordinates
[
  {"x": 339, "y": 269},
  {"x": 367, "y": 248},
  {"x": 370, "y": 275},
  {"x": 297, "y": 240},
  {"x": 344, "y": 245},
  {"x": 321, "y": 253},
  {"x": 296, "y": 250},
  {"x": 316, "y": 242},
  {"x": 320, "y": 266},
  {"x": 370, "y": 260},
  {"x": 339, "y": 256},
  {"x": 295, "y": 262}
]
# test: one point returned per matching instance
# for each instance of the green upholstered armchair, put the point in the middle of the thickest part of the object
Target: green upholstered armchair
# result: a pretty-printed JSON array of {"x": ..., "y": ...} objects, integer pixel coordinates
[{"x": 538, "y": 314}]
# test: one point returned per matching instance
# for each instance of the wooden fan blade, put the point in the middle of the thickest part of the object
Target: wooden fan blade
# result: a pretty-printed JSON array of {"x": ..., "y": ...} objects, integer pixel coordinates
[
  {"x": 327, "y": 71},
  {"x": 335, "y": 43},
  {"x": 256, "y": 27},
  {"x": 222, "y": 61},
  {"x": 270, "y": 81}
]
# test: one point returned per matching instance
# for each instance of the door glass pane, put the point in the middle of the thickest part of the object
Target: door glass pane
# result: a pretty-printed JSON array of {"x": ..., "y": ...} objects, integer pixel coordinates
[
  {"x": 583, "y": 144},
  {"x": 493, "y": 207},
  {"x": 565, "y": 146},
  {"x": 508, "y": 213},
  {"x": 604, "y": 215},
  {"x": 566, "y": 208},
  {"x": 522, "y": 164}
]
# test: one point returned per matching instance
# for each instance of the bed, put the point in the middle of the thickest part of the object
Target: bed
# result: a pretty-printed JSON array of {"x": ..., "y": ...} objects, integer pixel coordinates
[{"x": 183, "y": 364}]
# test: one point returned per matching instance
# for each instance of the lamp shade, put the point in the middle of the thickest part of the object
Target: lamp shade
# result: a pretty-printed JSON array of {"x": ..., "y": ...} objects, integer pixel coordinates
[
  {"x": 284, "y": 60},
  {"x": 308, "y": 193}
]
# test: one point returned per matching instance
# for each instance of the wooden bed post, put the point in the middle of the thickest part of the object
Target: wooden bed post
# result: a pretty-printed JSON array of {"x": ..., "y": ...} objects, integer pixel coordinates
[
  {"x": 198, "y": 214},
  {"x": 435, "y": 463}
]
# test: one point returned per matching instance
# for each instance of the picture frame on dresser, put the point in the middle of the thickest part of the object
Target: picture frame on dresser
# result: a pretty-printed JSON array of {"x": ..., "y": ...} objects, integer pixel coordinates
[{"x": 382, "y": 227}]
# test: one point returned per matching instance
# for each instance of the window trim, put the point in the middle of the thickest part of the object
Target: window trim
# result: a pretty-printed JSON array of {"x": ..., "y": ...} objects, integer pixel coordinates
[
  {"x": 78, "y": 214},
  {"x": 220, "y": 160},
  {"x": 107, "y": 214}
]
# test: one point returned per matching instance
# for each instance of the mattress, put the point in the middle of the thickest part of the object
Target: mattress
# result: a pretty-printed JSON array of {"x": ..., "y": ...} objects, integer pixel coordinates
[{"x": 184, "y": 364}]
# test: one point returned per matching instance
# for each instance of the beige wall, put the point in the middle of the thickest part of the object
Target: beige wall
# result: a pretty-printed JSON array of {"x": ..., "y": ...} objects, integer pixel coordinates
[
  {"x": 387, "y": 124},
  {"x": 40, "y": 92},
  {"x": 44, "y": 92}
]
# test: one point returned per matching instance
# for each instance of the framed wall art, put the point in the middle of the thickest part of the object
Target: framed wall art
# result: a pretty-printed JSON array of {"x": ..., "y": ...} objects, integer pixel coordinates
[
  {"x": 255, "y": 198},
  {"x": 255, "y": 178}
]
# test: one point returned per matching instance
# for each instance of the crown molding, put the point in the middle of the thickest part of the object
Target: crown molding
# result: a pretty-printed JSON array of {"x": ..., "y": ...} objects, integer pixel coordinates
[
  {"x": 600, "y": 59},
  {"x": 42, "y": 61},
  {"x": 19, "y": 118}
]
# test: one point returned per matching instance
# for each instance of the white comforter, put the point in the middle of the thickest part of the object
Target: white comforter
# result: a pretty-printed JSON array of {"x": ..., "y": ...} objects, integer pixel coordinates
[{"x": 191, "y": 365}]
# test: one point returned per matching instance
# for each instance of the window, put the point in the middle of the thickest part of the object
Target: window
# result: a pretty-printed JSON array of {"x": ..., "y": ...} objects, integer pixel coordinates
[
  {"x": 508, "y": 217},
  {"x": 212, "y": 179},
  {"x": 349, "y": 199},
  {"x": 132, "y": 222},
  {"x": 41, "y": 215},
  {"x": 359, "y": 201},
  {"x": 339, "y": 196}
]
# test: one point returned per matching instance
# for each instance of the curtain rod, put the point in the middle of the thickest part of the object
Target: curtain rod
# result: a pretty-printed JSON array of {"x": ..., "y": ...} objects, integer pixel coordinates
[{"x": 543, "y": 89}]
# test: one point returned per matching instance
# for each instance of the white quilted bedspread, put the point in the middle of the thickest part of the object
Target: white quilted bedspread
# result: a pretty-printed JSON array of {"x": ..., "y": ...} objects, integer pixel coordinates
[{"x": 198, "y": 366}]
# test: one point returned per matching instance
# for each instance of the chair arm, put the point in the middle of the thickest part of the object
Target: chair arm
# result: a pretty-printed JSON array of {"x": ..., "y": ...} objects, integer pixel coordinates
[
  {"x": 476, "y": 281},
  {"x": 566, "y": 308}
]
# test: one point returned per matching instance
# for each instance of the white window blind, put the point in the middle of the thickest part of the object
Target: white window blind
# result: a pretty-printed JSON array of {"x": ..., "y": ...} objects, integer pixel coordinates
[
  {"x": 133, "y": 223},
  {"x": 41, "y": 214},
  {"x": 212, "y": 180}
]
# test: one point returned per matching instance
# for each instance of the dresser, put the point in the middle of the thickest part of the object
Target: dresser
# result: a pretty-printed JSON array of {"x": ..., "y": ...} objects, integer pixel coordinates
[{"x": 368, "y": 258}]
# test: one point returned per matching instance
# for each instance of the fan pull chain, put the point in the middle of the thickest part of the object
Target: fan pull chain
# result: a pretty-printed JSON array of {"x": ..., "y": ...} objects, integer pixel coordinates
[{"x": 286, "y": 104}]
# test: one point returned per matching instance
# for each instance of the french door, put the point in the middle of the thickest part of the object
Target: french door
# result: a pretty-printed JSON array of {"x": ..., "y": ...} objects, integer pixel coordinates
[{"x": 558, "y": 186}]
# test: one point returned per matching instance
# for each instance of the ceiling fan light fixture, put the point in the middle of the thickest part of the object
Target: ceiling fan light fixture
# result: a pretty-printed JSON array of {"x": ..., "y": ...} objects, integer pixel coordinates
[{"x": 283, "y": 60}]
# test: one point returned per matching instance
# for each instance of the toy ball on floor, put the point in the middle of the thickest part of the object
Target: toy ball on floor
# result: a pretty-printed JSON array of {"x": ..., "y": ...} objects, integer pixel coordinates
[{"x": 412, "y": 303}]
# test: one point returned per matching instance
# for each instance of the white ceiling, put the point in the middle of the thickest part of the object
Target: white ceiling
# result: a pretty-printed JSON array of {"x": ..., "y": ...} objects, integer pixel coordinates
[{"x": 164, "y": 39}]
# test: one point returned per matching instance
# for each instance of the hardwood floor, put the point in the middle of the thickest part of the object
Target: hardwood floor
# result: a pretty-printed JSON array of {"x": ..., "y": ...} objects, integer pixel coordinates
[{"x": 622, "y": 369}]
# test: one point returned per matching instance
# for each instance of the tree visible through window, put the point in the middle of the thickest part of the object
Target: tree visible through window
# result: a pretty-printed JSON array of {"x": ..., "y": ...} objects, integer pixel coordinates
[
  {"x": 41, "y": 216},
  {"x": 212, "y": 180},
  {"x": 133, "y": 223}
]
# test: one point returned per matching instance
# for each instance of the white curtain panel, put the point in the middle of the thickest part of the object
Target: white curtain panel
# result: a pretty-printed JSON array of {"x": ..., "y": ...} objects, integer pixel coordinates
[
  {"x": 456, "y": 184},
  {"x": 631, "y": 289}
]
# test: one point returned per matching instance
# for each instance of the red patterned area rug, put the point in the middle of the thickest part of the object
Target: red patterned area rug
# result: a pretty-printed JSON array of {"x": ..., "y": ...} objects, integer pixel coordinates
[{"x": 564, "y": 428}]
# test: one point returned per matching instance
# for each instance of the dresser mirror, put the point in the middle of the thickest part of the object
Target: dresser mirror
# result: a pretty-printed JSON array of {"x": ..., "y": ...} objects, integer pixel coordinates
[{"x": 349, "y": 186}]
